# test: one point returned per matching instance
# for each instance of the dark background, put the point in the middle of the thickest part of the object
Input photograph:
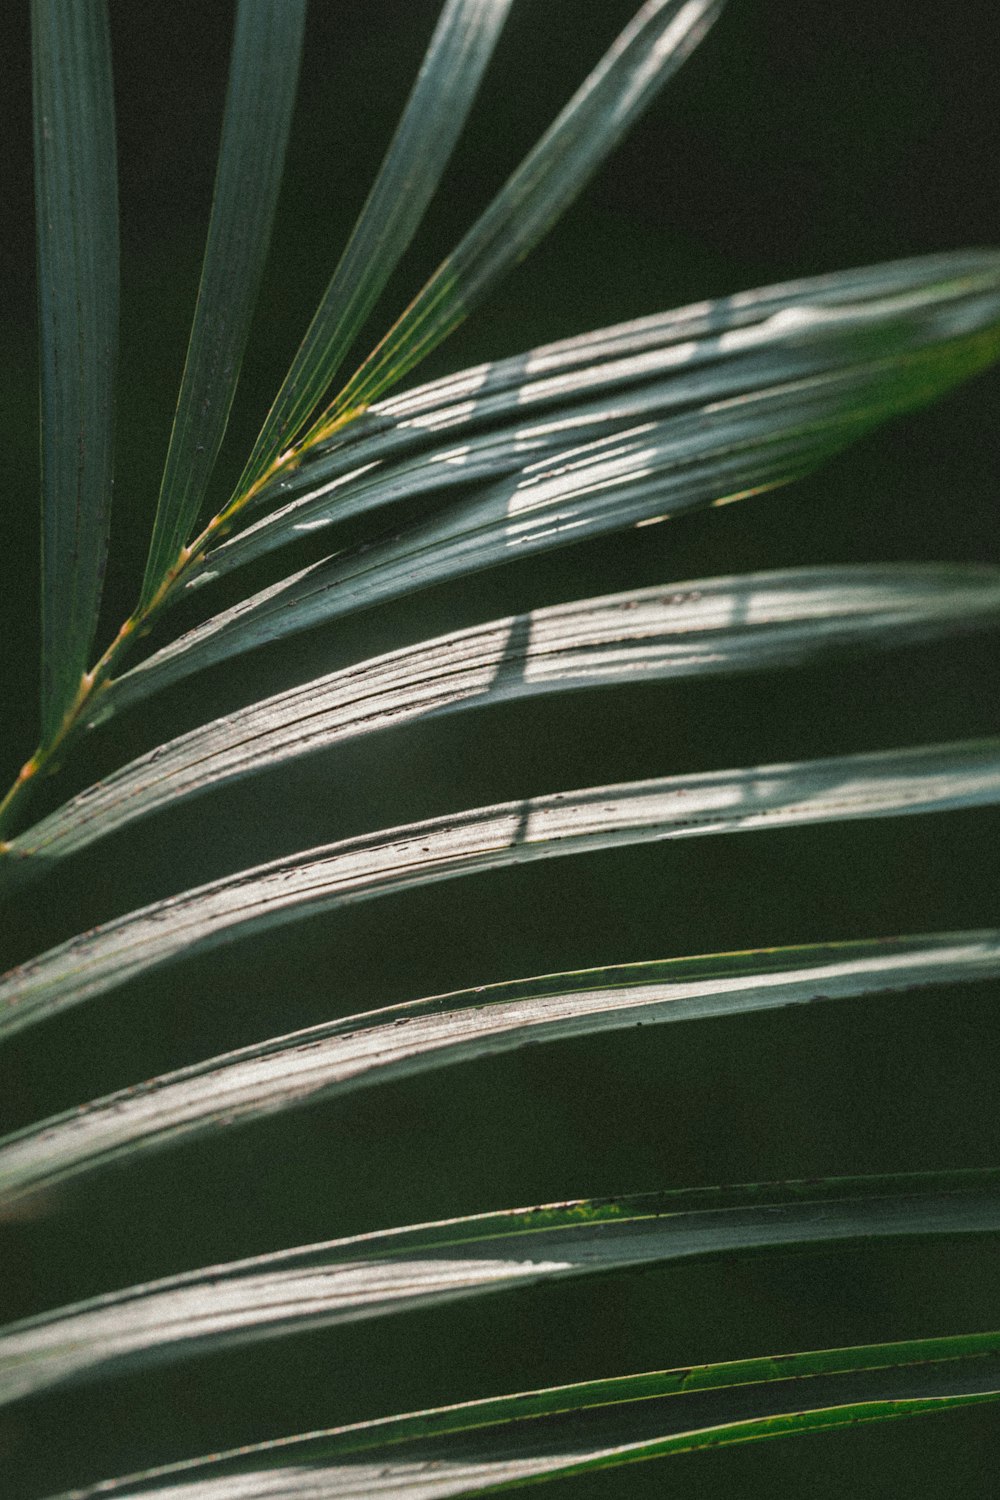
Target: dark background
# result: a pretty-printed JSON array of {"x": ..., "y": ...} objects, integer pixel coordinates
[{"x": 801, "y": 138}]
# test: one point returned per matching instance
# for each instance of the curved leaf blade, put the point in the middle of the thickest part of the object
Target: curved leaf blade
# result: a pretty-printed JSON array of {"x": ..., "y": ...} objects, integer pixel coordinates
[
  {"x": 374, "y": 1275},
  {"x": 449, "y": 78},
  {"x": 362, "y": 1051},
  {"x": 498, "y": 419},
  {"x": 76, "y": 198},
  {"x": 544, "y": 375},
  {"x": 507, "y": 1441},
  {"x": 714, "y": 451},
  {"x": 894, "y": 783},
  {"x": 704, "y": 627},
  {"x": 263, "y": 78},
  {"x": 652, "y": 47},
  {"x": 576, "y": 497}
]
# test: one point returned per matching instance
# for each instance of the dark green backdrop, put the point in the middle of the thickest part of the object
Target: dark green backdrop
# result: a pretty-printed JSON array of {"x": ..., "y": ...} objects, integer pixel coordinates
[{"x": 800, "y": 139}]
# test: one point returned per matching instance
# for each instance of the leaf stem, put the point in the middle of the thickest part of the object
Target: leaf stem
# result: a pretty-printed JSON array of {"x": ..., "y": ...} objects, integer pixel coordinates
[{"x": 50, "y": 754}]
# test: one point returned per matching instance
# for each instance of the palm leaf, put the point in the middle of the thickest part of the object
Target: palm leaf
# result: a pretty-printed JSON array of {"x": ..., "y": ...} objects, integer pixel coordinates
[
  {"x": 512, "y": 1440},
  {"x": 381, "y": 1045},
  {"x": 398, "y": 1270},
  {"x": 935, "y": 778},
  {"x": 267, "y": 44},
  {"x": 443, "y": 94},
  {"x": 702, "y": 627},
  {"x": 509, "y": 417},
  {"x": 659, "y": 39},
  {"x": 76, "y": 196},
  {"x": 737, "y": 438}
]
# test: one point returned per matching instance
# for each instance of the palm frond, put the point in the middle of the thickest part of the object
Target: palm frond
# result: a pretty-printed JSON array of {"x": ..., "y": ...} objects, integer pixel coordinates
[
  {"x": 617, "y": 428},
  {"x": 836, "y": 333}
]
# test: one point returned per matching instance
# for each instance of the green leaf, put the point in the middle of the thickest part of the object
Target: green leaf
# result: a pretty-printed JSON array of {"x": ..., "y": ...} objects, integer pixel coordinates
[
  {"x": 513, "y": 1440},
  {"x": 842, "y": 370},
  {"x": 762, "y": 620},
  {"x": 652, "y": 47},
  {"x": 431, "y": 123},
  {"x": 372, "y": 1275},
  {"x": 362, "y": 1051},
  {"x": 264, "y": 70},
  {"x": 505, "y": 418},
  {"x": 76, "y": 197},
  {"x": 893, "y": 783}
]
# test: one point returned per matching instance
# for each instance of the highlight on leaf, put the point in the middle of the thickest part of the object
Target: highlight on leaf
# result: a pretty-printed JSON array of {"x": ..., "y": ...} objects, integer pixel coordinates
[{"x": 937, "y": 313}]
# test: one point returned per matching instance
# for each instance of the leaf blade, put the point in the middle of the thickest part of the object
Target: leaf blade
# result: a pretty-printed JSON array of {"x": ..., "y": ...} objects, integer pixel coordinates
[
  {"x": 263, "y": 79},
  {"x": 895, "y": 783},
  {"x": 76, "y": 195},
  {"x": 400, "y": 1041},
  {"x": 459, "y": 51},
  {"x": 732, "y": 438},
  {"x": 702, "y": 627},
  {"x": 657, "y": 41},
  {"x": 374, "y": 1275},
  {"x": 461, "y": 430},
  {"x": 512, "y": 1440}
]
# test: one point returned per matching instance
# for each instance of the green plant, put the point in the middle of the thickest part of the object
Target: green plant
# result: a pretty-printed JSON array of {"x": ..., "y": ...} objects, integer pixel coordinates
[{"x": 687, "y": 409}]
